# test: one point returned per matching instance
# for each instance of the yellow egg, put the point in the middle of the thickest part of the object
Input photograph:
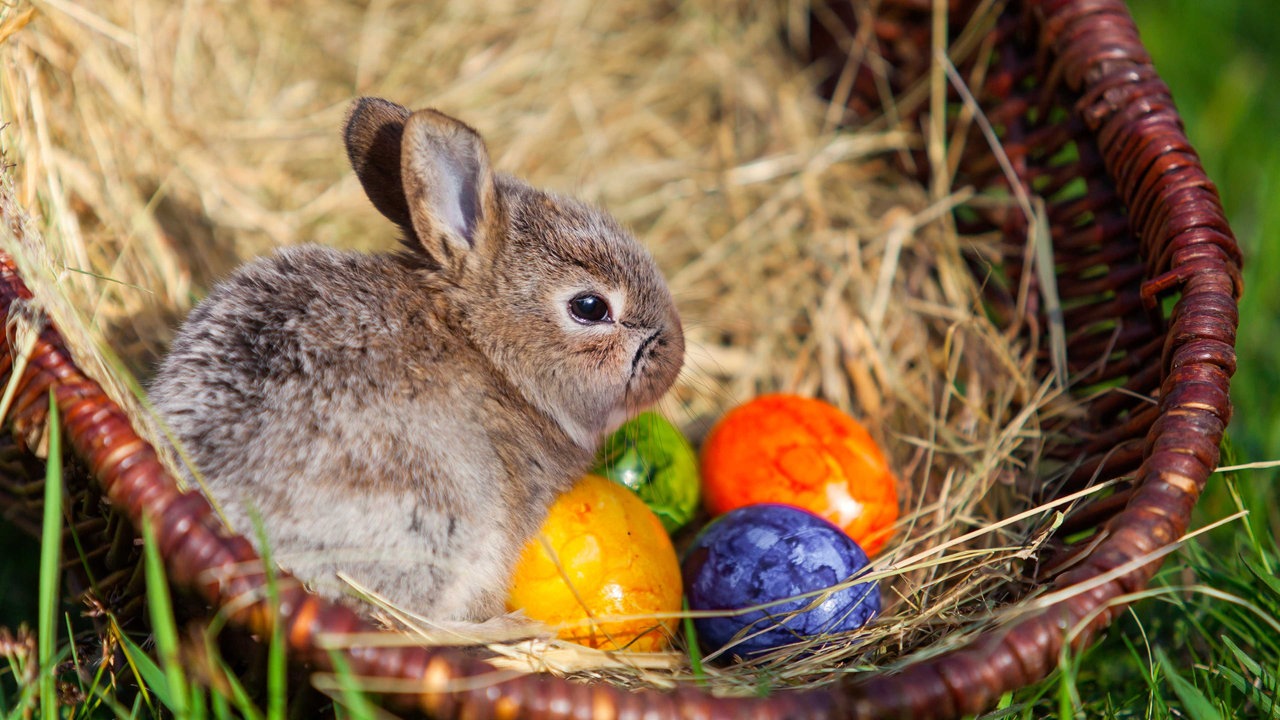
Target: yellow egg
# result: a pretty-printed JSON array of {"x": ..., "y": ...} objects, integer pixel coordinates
[{"x": 612, "y": 558}]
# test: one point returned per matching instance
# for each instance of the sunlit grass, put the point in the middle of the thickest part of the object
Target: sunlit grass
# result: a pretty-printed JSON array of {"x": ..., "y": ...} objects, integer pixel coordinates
[{"x": 1204, "y": 644}]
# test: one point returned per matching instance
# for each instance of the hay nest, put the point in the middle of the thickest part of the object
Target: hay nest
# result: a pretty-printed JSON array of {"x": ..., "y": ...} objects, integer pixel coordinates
[{"x": 159, "y": 144}]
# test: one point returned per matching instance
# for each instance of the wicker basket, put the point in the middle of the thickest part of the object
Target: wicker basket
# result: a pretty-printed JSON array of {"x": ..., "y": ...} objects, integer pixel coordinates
[{"x": 1145, "y": 263}]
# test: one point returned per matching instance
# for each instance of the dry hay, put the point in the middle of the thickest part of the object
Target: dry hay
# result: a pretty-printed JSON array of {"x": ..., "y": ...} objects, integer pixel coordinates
[{"x": 161, "y": 143}]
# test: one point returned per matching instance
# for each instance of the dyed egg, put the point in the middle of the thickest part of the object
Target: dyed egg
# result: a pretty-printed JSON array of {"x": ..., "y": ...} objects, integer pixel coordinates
[
  {"x": 650, "y": 456},
  {"x": 803, "y": 452},
  {"x": 611, "y": 558},
  {"x": 761, "y": 554}
]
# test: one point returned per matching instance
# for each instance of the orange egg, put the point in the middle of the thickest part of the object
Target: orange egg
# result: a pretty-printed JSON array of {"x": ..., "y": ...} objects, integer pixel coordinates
[
  {"x": 611, "y": 557},
  {"x": 803, "y": 452}
]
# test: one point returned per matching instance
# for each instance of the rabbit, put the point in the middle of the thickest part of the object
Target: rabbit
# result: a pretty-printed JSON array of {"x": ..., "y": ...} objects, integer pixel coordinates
[{"x": 407, "y": 418}]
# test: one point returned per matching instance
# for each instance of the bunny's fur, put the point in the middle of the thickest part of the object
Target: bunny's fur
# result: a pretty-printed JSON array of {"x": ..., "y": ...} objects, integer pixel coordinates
[{"x": 408, "y": 418}]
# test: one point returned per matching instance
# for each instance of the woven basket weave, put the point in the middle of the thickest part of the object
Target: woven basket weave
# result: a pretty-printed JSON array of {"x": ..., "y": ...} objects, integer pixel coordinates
[{"x": 1146, "y": 266}]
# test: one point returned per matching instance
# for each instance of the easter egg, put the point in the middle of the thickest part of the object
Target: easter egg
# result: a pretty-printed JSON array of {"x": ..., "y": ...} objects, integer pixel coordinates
[
  {"x": 761, "y": 554},
  {"x": 803, "y": 452},
  {"x": 650, "y": 456},
  {"x": 610, "y": 557}
]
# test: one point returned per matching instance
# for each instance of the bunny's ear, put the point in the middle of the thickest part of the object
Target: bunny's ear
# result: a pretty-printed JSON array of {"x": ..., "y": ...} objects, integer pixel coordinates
[
  {"x": 372, "y": 133},
  {"x": 448, "y": 185}
]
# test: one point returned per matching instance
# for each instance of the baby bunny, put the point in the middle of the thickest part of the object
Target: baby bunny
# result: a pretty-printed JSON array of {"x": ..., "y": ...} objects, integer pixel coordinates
[{"x": 407, "y": 418}]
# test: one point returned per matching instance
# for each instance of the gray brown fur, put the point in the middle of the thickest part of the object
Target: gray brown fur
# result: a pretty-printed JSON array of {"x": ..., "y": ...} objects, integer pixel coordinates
[{"x": 408, "y": 418}]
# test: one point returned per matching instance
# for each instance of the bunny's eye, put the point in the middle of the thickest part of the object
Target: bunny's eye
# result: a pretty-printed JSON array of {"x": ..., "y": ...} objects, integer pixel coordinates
[{"x": 589, "y": 308}]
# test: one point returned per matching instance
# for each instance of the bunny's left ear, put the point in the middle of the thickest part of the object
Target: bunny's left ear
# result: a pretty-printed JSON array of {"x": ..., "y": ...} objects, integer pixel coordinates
[{"x": 448, "y": 185}]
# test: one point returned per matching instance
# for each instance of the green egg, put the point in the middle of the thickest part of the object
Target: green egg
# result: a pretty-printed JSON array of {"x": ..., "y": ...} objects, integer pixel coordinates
[{"x": 650, "y": 456}]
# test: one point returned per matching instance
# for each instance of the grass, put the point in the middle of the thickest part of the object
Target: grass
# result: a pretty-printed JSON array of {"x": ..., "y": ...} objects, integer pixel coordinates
[
  {"x": 50, "y": 567},
  {"x": 1202, "y": 645},
  {"x": 147, "y": 684}
]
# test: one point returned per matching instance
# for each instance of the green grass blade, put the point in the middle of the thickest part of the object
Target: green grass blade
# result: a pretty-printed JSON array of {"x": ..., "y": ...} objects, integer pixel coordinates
[
  {"x": 75, "y": 657},
  {"x": 1141, "y": 662},
  {"x": 197, "y": 708},
  {"x": 221, "y": 709},
  {"x": 276, "y": 661},
  {"x": 1249, "y": 663},
  {"x": 239, "y": 696},
  {"x": 350, "y": 695},
  {"x": 1066, "y": 706},
  {"x": 109, "y": 700},
  {"x": 1265, "y": 702},
  {"x": 695, "y": 652},
  {"x": 227, "y": 693},
  {"x": 1265, "y": 697},
  {"x": 152, "y": 679},
  {"x": 50, "y": 564},
  {"x": 1196, "y": 705},
  {"x": 277, "y": 678},
  {"x": 1269, "y": 581},
  {"x": 163, "y": 626},
  {"x": 1067, "y": 685},
  {"x": 93, "y": 693}
]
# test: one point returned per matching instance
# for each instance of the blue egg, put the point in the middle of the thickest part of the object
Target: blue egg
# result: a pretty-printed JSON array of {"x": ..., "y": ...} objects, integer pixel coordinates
[{"x": 759, "y": 554}]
